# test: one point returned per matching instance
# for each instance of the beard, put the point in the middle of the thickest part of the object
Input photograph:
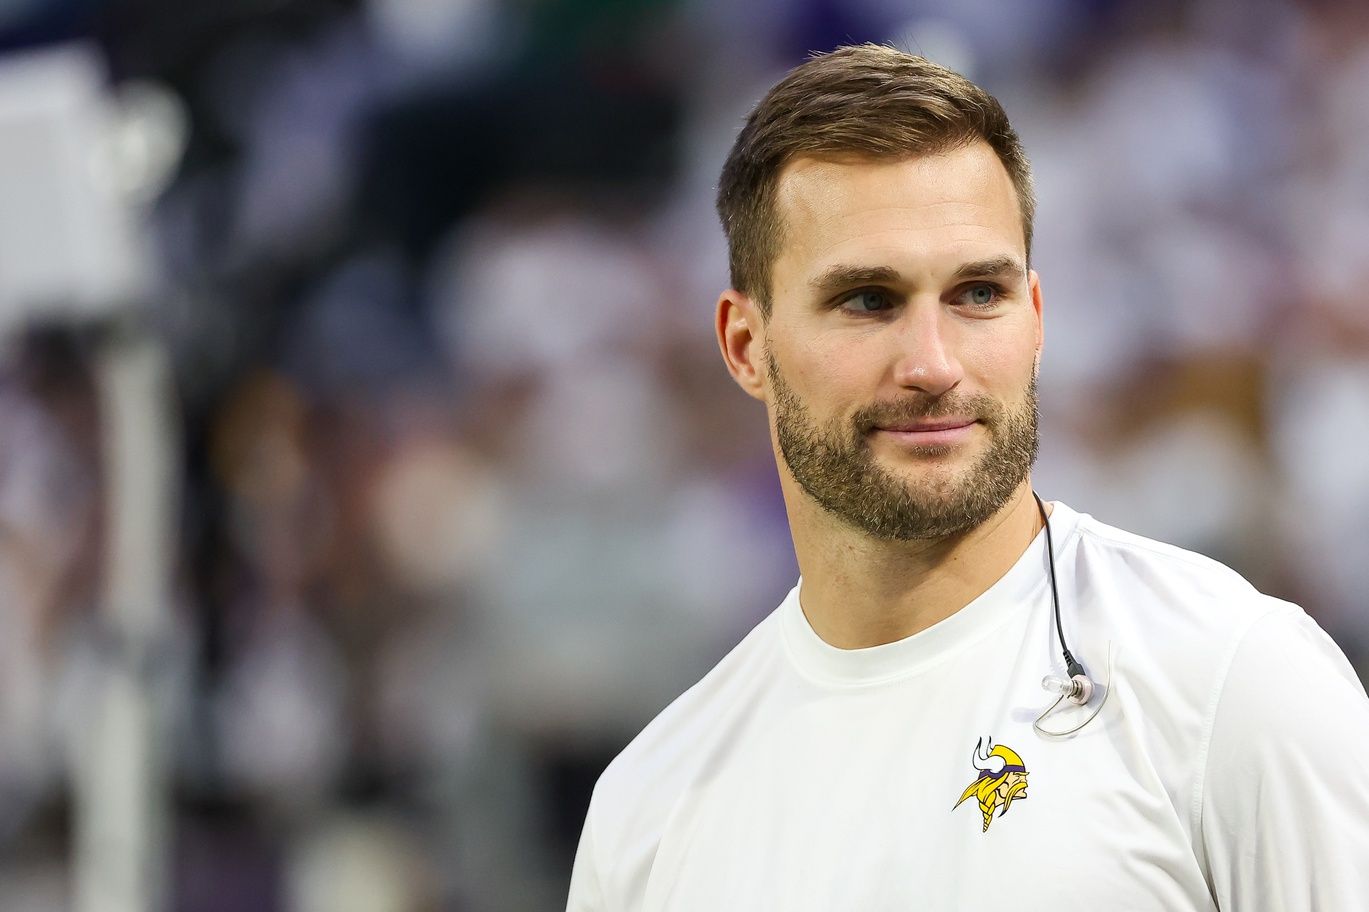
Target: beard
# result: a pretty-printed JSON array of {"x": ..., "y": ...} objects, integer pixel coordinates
[{"x": 835, "y": 465}]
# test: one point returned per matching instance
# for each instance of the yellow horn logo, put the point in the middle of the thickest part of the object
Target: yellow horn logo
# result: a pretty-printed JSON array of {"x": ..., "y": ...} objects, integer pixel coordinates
[{"x": 1002, "y": 779}]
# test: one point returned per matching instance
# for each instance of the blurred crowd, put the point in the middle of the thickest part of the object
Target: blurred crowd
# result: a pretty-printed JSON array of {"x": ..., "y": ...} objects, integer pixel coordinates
[{"x": 468, "y": 496}]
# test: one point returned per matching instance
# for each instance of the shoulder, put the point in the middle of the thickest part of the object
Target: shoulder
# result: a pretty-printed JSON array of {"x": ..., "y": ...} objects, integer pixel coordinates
[
  {"x": 1178, "y": 615},
  {"x": 1176, "y": 620},
  {"x": 636, "y": 791},
  {"x": 1289, "y": 685},
  {"x": 1282, "y": 800},
  {"x": 704, "y": 707},
  {"x": 1178, "y": 595},
  {"x": 1149, "y": 559}
]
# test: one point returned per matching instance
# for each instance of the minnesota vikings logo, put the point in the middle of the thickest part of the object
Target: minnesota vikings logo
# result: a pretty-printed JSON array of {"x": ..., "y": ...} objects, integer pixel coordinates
[{"x": 1002, "y": 779}]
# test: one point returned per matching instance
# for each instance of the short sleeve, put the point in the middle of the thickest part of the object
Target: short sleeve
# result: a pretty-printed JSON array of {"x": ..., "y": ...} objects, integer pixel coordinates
[
  {"x": 586, "y": 893},
  {"x": 1284, "y": 801}
]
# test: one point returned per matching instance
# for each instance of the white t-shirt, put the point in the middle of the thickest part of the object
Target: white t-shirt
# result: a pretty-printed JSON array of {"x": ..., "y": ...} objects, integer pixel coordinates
[{"x": 1228, "y": 767}]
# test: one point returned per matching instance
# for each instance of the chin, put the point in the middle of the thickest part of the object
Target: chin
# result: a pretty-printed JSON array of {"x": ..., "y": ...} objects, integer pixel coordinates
[{"x": 918, "y": 461}]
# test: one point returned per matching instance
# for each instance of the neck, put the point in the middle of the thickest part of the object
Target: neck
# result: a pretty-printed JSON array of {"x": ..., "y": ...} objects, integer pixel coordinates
[{"x": 860, "y": 592}]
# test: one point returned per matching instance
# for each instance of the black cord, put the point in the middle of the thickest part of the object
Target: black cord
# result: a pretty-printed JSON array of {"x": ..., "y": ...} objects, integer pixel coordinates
[{"x": 1072, "y": 665}]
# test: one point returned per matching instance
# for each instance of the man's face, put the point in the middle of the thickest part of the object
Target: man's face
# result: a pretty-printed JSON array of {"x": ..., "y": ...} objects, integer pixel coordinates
[{"x": 901, "y": 347}]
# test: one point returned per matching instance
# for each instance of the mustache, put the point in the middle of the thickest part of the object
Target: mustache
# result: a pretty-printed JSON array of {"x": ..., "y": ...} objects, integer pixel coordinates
[{"x": 982, "y": 408}]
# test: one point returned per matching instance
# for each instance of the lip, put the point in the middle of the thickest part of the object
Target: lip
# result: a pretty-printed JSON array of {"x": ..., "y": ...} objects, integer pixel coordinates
[{"x": 943, "y": 432}]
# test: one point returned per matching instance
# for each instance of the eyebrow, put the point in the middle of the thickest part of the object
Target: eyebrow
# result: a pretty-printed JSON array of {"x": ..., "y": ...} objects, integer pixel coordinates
[
  {"x": 842, "y": 276},
  {"x": 994, "y": 267}
]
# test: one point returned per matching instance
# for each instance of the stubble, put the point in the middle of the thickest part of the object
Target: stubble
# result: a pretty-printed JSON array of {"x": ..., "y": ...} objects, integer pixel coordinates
[{"x": 835, "y": 465}]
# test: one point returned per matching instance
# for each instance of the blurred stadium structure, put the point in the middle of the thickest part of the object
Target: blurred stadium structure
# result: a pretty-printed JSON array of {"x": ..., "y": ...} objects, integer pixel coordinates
[{"x": 367, "y": 480}]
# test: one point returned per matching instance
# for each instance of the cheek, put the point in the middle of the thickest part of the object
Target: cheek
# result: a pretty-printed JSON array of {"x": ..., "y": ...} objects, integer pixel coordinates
[
  {"x": 827, "y": 370},
  {"x": 1002, "y": 357}
]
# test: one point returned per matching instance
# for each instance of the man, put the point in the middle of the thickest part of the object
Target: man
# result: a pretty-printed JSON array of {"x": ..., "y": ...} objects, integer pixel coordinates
[{"x": 883, "y": 740}]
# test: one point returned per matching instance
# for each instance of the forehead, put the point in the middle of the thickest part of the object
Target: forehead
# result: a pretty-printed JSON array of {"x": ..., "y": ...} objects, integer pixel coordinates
[{"x": 919, "y": 215}]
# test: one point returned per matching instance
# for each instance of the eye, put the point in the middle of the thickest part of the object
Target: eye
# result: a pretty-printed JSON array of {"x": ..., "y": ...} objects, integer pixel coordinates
[
  {"x": 869, "y": 300},
  {"x": 982, "y": 296}
]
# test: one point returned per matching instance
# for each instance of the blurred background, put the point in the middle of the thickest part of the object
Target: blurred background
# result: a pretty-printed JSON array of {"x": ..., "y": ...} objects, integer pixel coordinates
[{"x": 368, "y": 474}]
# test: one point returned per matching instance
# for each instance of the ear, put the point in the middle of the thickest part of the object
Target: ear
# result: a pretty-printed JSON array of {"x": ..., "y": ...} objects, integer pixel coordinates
[
  {"x": 741, "y": 338},
  {"x": 1034, "y": 288}
]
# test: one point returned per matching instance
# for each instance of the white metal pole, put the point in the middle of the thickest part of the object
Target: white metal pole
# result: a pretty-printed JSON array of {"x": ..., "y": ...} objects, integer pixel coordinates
[{"x": 120, "y": 847}]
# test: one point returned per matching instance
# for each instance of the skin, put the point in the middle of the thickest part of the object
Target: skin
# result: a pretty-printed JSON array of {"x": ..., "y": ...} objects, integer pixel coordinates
[
  {"x": 1014, "y": 787},
  {"x": 916, "y": 336}
]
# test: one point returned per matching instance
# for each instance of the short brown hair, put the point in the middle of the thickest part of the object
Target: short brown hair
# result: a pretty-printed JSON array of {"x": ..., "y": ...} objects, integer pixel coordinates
[{"x": 866, "y": 100}]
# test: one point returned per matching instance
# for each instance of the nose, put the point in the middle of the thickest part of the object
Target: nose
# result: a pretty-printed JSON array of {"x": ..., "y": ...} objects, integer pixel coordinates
[{"x": 925, "y": 357}]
